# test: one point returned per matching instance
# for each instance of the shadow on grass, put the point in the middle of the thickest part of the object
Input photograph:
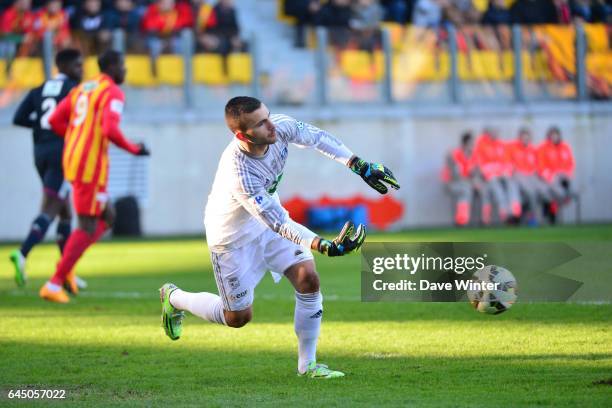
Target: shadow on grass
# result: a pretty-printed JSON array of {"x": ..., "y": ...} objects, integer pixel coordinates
[{"x": 136, "y": 375}]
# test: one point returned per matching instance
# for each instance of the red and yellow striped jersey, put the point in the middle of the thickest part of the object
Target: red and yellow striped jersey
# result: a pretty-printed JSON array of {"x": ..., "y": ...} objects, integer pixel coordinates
[{"x": 88, "y": 118}]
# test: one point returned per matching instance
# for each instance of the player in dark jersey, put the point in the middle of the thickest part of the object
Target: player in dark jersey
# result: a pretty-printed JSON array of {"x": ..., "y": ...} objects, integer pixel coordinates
[{"x": 34, "y": 112}]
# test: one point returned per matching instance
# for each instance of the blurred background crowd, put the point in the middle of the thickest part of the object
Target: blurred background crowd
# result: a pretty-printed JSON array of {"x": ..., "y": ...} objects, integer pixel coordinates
[
  {"x": 149, "y": 25},
  {"x": 366, "y": 15}
]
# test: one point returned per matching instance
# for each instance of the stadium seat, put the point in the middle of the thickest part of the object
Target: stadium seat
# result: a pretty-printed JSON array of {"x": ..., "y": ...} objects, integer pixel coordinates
[
  {"x": 379, "y": 65},
  {"x": 139, "y": 71},
  {"x": 559, "y": 44},
  {"x": 443, "y": 67},
  {"x": 597, "y": 37},
  {"x": 358, "y": 65},
  {"x": 528, "y": 66},
  {"x": 491, "y": 62},
  {"x": 400, "y": 69},
  {"x": 600, "y": 65},
  {"x": 27, "y": 72},
  {"x": 2, "y": 73},
  {"x": 90, "y": 67},
  {"x": 464, "y": 68},
  {"x": 424, "y": 65},
  {"x": 209, "y": 69},
  {"x": 541, "y": 67},
  {"x": 507, "y": 67},
  {"x": 240, "y": 68},
  {"x": 170, "y": 70},
  {"x": 479, "y": 69}
]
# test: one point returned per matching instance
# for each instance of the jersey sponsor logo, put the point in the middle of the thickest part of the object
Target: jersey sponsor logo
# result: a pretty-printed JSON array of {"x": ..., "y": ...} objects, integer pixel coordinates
[
  {"x": 259, "y": 199},
  {"x": 234, "y": 283},
  {"x": 274, "y": 185},
  {"x": 90, "y": 86},
  {"x": 116, "y": 106},
  {"x": 52, "y": 88},
  {"x": 300, "y": 125},
  {"x": 239, "y": 295}
]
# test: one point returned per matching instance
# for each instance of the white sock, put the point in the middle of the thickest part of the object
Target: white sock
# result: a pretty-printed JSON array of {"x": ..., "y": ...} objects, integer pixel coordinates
[
  {"x": 206, "y": 305},
  {"x": 307, "y": 322}
]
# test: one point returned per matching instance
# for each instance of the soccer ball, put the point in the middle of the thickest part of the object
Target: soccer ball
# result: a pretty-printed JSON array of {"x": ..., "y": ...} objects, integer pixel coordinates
[{"x": 493, "y": 301}]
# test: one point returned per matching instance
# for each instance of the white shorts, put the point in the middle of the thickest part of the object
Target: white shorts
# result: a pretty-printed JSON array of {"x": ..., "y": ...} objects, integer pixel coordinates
[{"x": 239, "y": 271}]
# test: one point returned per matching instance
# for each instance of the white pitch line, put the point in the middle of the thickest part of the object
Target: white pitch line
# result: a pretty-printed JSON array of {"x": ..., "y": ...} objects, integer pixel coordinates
[
  {"x": 155, "y": 295},
  {"x": 331, "y": 298}
]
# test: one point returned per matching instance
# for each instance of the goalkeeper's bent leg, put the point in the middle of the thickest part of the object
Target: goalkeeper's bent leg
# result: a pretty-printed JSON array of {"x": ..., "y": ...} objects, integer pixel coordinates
[{"x": 207, "y": 306}]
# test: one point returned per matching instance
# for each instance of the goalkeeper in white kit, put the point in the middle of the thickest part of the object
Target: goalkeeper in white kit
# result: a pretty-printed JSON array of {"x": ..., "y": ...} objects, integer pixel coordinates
[{"x": 249, "y": 232}]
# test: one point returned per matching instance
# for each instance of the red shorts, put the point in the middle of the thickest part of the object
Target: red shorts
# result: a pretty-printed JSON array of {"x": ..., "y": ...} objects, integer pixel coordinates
[{"x": 89, "y": 199}]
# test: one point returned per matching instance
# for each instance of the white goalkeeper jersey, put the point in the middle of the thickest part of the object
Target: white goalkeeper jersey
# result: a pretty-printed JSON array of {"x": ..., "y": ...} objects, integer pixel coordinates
[{"x": 243, "y": 201}]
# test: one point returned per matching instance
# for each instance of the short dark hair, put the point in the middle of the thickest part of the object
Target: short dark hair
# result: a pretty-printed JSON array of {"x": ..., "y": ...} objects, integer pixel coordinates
[
  {"x": 66, "y": 57},
  {"x": 554, "y": 129},
  {"x": 524, "y": 130},
  {"x": 466, "y": 137},
  {"x": 108, "y": 59},
  {"x": 239, "y": 105}
]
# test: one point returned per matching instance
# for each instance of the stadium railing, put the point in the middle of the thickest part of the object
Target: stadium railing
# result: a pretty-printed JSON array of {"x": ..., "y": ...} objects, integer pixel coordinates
[{"x": 397, "y": 64}]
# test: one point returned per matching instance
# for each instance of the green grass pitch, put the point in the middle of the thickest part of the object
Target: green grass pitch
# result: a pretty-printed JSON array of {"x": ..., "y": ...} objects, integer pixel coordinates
[{"x": 107, "y": 348}]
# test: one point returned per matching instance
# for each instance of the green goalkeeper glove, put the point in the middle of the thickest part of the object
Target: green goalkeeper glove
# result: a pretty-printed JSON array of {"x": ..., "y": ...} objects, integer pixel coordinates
[
  {"x": 374, "y": 174},
  {"x": 346, "y": 242}
]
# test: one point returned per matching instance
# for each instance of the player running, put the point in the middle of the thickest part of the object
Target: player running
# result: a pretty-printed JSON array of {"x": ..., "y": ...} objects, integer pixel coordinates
[
  {"x": 34, "y": 112},
  {"x": 249, "y": 232},
  {"x": 88, "y": 118}
]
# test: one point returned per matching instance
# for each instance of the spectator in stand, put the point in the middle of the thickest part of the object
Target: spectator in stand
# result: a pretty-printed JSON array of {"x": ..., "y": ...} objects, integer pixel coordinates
[
  {"x": 336, "y": 16},
  {"x": 163, "y": 22},
  {"x": 16, "y": 25},
  {"x": 589, "y": 11},
  {"x": 53, "y": 18},
  {"x": 556, "y": 167},
  {"x": 458, "y": 176},
  {"x": 365, "y": 23},
  {"x": 304, "y": 12},
  {"x": 91, "y": 29},
  {"x": 524, "y": 157},
  {"x": 564, "y": 14},
  {"x": 220, "y": 32},
  {"x": 534, "y": 12},
  {"x": 125, "y": 15},
  {"x": 497, "y": 14},
  {"x": 461, "y": 12},
  {"x": 398, "y": 11},
  {"x": 491, "y": 160},
  {"x": 428, "y": 13},
  {"x": 18, "y": 19},
  {"x": 496, "y": 21}
]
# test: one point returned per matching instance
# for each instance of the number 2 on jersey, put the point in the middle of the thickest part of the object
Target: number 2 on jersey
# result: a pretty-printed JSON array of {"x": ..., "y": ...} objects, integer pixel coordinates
[{"x": 48, "y": 106}]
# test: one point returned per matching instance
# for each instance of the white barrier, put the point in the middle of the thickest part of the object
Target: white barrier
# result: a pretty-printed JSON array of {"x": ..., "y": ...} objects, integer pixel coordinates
[{"x": 184, "y": 159}]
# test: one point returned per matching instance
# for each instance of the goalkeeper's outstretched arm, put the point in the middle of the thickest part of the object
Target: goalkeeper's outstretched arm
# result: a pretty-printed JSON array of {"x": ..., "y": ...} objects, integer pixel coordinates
[{"x": 302, "y": 134}]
